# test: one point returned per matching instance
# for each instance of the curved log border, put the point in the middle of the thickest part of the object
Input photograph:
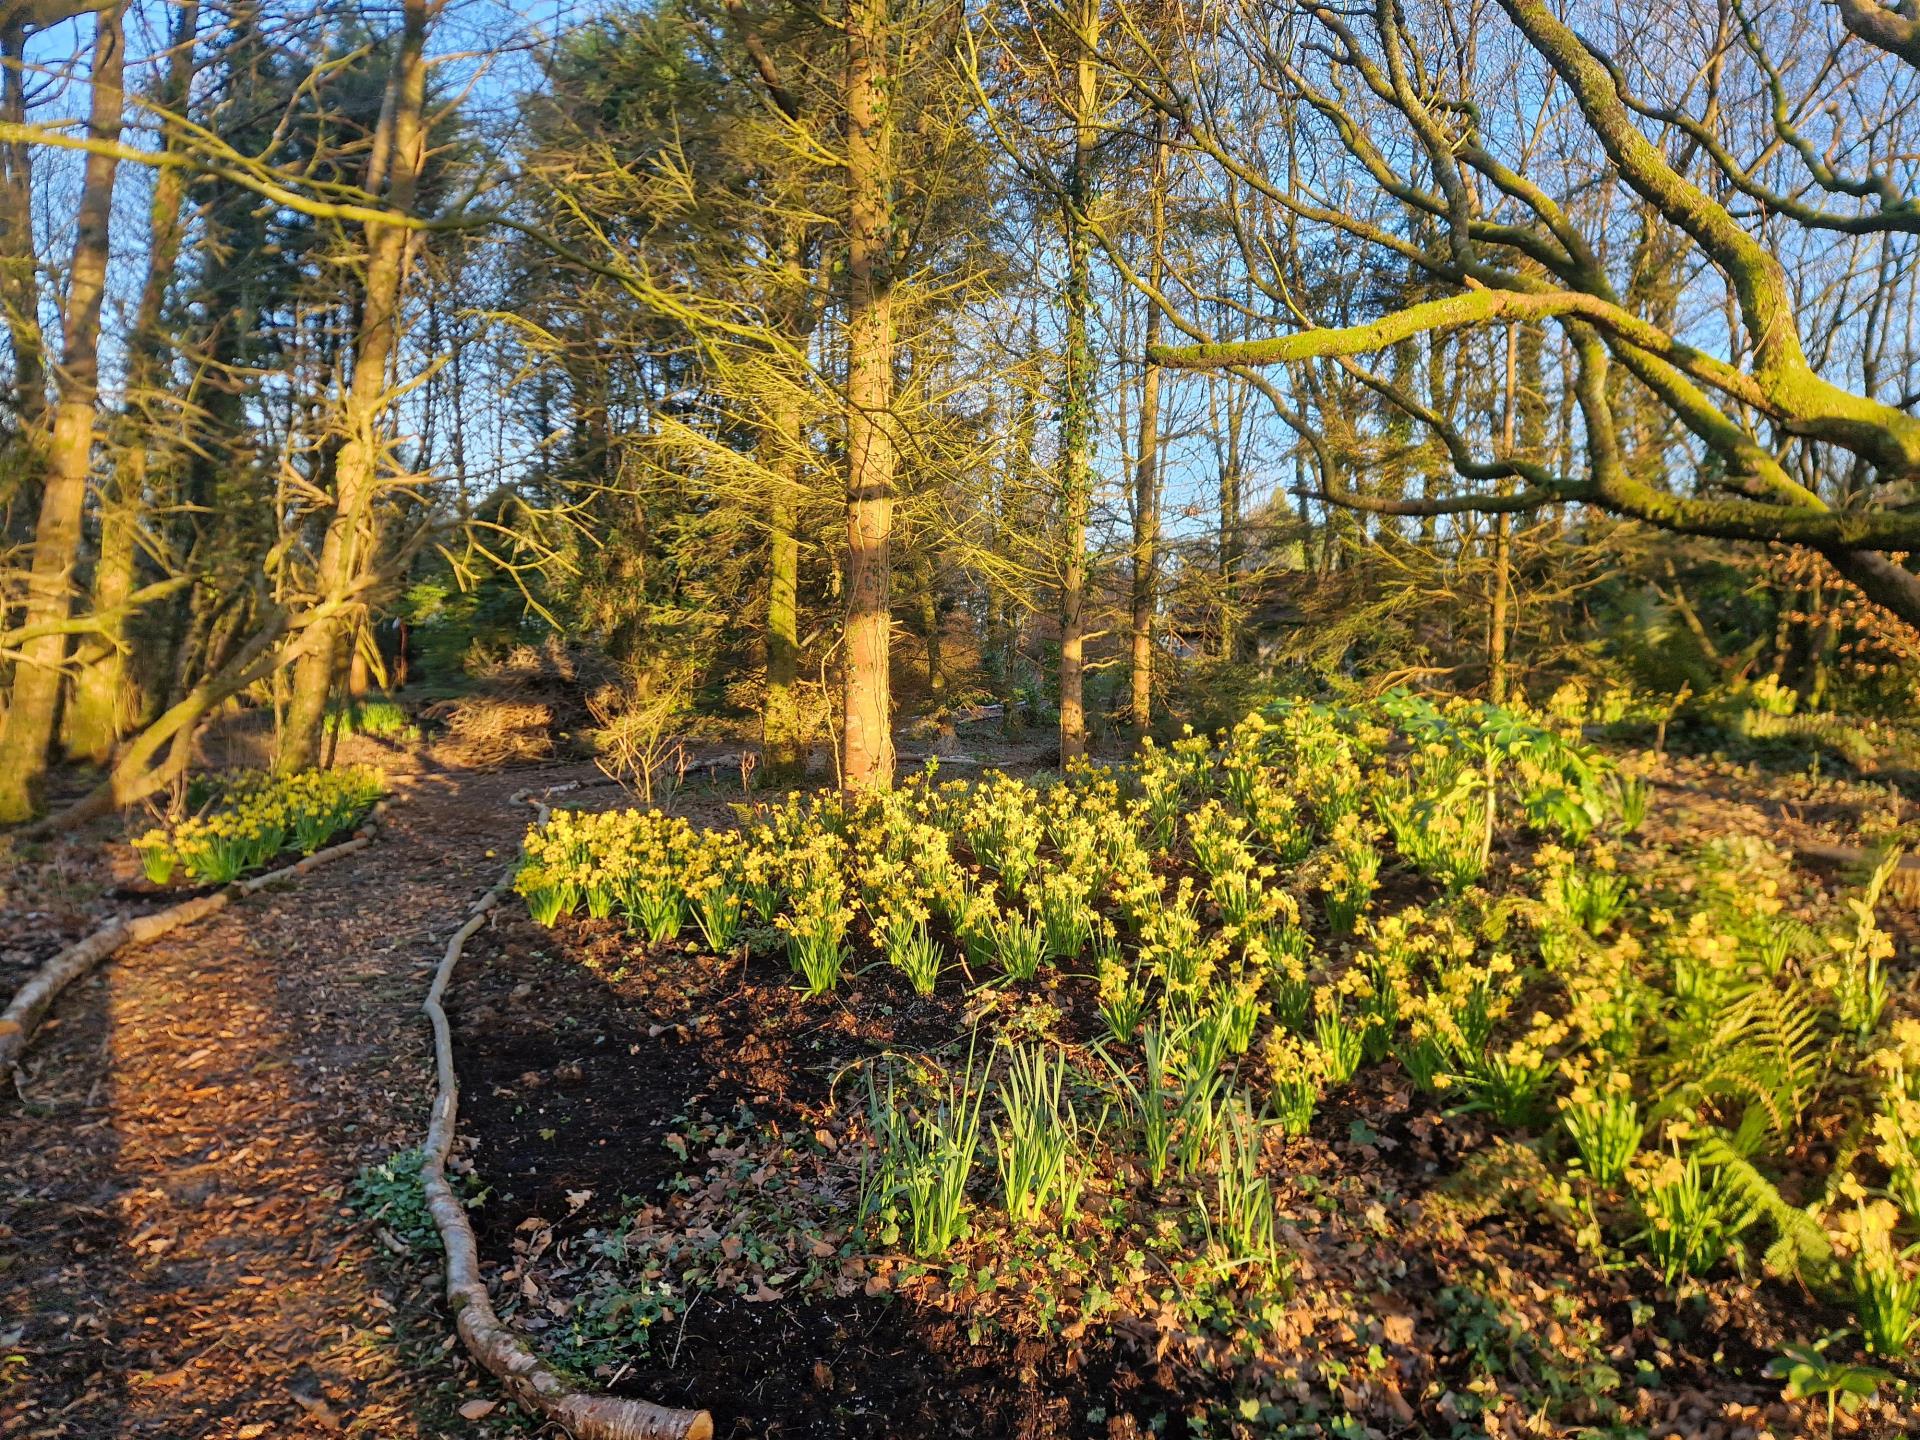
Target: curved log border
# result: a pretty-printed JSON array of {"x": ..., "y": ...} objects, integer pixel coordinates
[
  {"x": 32, "y": 1000},
  {"x": 524, "y": 1375}
]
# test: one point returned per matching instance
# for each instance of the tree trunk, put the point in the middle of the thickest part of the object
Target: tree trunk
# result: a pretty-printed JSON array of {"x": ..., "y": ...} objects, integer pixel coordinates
[
  {"x": 1882, "y": 579},
  {"x": 400, "y": 151},
  {"x": 1076, "y": 407},
  {"x": 19, "y": 281},
  {"x": 780, "y": 720},
  {"x": 867, "y": 740},
  {"x": 100, "y": 708},
  {"x": 1501, "y": 583},
  {"x": 926, "y": 579},
  {"x": 1146, "y": 470},
  {"x": 1229, "y": 544},
  {"x": 35, "y": 700},
  {"x": 783, "y": 744}
]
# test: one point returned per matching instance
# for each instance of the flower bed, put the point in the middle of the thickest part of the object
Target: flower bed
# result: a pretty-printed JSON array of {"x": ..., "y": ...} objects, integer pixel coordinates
[
  {"x": 249, "y": 817},
  {"x": 1219, "y": 1056}
]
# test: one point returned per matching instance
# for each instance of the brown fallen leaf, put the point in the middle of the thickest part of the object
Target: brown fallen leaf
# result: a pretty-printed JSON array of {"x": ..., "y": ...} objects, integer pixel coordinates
[
  {"x": 478, "y": 1409},
  {"x": 318, "y": 1410}
]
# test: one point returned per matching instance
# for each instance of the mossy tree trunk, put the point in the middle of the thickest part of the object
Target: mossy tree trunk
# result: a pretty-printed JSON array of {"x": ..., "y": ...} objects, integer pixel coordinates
[
  {"x": 102, "y": 707},
  {"x": 399, "y": 155},
  {"x": 34, "y": 703}
]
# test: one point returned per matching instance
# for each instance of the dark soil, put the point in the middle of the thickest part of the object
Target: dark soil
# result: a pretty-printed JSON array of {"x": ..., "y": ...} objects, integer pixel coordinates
[{"x": 575, "y": 1080}]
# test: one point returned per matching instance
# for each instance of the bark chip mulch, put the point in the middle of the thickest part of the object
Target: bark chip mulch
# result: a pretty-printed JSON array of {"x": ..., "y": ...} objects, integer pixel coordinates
[{"x": 177, "y": 1257}]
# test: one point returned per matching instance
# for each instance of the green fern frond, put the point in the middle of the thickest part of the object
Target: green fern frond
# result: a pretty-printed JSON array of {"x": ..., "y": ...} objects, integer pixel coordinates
[{"x": 1800, "y": 1241}]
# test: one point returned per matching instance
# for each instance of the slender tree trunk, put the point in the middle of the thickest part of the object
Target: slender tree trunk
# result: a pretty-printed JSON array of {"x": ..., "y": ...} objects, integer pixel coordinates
[
  {"x": 1146, "y": 470},
  {"x": 1434, "y": 478},
  {"x": 399, "y": 152},
  {"x": 1502, "y": 582},
  {"x": 1017, "y": 486},
  {"x": 101, "y": 706},
  {"x": 359, "y": 674},
  {"x": 782, "y": 743},
  {"x": 35, "y": 699},
  {"x": 1076, "y": 409},
  {"x": 1230, "y": 488},
  {"x": 926, "y": 581},
  {"x": 866, "y": 761},
  {"x": 780, "y": 720},
  {"x": 19, "y": 281}
]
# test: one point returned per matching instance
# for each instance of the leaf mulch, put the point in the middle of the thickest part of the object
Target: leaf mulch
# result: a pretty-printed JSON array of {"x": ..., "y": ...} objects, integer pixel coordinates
[{"x": 176, "y": 1257}]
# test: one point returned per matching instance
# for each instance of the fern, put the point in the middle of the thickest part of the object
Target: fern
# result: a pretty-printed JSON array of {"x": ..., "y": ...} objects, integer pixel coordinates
[
  {"x": 1767, "y": 1047},
  {"x": 1799, "y": 1240},
  {"x": 1830, "y": 732}
]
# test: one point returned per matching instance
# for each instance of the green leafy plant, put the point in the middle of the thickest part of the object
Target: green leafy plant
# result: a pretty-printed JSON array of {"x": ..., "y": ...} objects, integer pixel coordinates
[
  {"x": 1240, "y": 1219},
  {"x": 1339, "y": 1041},
  {"x": 1150, "y": 1098},
  {"x": 1020, "y": 946},
  {"x": 1036, "y": 1138},
  {"x": 1606, "y": 1130},
  {"x": 925, "y": 1159},
  {"x": 1350, "y": 886},
  {"x": 913, "y": 952},
  {"x": 1692, "y": 1221},
  {"x": 1885, "y": 1282},
  {"x": 1122, "y": 992},
  {"x": 1811, "y": 1375},
  {"x": 817, "y": 937},
  {"x": 389, "y": 1193},
  {"x": 658, "y": 911},
  {"x": 719, "y": 909},
  {"x": 1295, "y": 1075}
]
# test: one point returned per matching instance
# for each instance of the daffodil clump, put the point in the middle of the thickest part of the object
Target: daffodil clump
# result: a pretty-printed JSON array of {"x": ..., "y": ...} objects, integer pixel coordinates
[{"x": 254, "y": 816}]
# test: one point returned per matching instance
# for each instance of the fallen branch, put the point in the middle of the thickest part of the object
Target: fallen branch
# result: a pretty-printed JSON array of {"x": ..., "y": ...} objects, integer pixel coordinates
[
  {"x": 31, "y": 1002},
  {"x": 528, "y": 1378}
]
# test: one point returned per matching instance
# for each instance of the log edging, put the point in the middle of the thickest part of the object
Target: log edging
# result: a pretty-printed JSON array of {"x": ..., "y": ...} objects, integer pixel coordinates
[{"x": 586, "y": 1414}]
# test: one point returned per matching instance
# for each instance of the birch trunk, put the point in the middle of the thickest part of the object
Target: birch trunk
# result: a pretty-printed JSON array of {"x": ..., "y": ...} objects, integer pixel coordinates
[{"x": 1146, "y": 471}]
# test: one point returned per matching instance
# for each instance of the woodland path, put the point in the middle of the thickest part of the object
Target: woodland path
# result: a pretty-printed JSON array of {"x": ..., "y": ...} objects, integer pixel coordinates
[{"x": 177, "y": 1257}]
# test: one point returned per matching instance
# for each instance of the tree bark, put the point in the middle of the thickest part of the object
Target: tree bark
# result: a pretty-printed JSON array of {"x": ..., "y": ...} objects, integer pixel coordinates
[
  {"x": 783, "y": 746},
  {"x": 101, "y": 707},
  {"x": 1501, "y": 583},
  {"x": 1076, "y": 409},
  {"x": 926, "y": 580},
  {"x": 1146, "y": 469},
  {"x": 19, "y": 281},
  {"x": 866, "y": 761},
  {"x": 34, "y": 703},
  {"x": 399, "y": 152},
  {"x": 1228, "y": 447}
]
